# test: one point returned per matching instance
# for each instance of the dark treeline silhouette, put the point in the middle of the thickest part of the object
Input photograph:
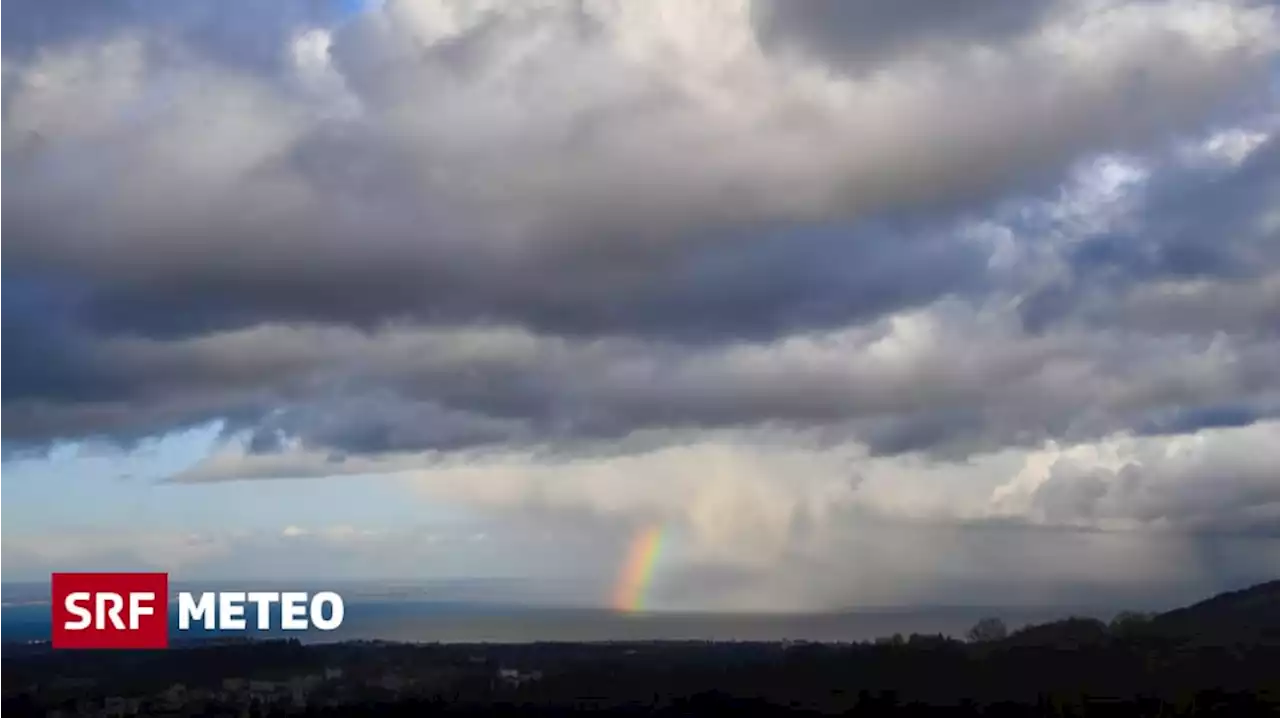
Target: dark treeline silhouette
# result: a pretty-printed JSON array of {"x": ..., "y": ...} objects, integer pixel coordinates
[{"x": 1219, "y": 657}]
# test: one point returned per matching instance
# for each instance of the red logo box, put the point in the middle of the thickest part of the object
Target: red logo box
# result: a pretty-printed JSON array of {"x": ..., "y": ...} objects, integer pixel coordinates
[{"x": 110, "y": 610}]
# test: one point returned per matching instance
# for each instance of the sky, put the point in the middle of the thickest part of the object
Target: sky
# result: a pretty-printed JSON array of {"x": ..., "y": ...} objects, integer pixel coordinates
[{"x": 858, "y": 303}]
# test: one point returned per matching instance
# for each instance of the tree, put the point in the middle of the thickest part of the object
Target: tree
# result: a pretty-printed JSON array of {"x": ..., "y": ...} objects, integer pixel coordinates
[
  {"x": 1129, "y": 623},
  {"x": 988, "y": 629}
]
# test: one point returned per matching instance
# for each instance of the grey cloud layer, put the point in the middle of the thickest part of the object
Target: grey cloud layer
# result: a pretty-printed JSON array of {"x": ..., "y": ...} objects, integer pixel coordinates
[
  {"x": 600, "y": 170},
  {"x": 936, "y": 378},
  {"x": 240, "y": 32},
  {"x": 450, "y": 226},
  {"x": 860, "y": 33}
]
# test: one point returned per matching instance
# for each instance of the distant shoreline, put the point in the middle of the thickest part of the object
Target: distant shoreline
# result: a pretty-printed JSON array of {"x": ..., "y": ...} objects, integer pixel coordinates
[{"x": 418, "y": 622}]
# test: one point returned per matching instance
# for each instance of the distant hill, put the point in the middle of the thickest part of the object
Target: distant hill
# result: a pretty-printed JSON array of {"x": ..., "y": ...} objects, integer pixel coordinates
[
  {"x": 1249, "y": 615},
  {"x": 1067, "y": 633}
]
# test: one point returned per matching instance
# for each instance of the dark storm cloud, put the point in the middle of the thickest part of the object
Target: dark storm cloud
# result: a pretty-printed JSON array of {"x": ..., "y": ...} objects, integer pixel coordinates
[
  {"x": 45, "y": 357},
  {"x": 755, "y": 284},
  {"x": 516, "y": 226},
  {"x": 1203, "y": 225},
  {"x": 63, "y": 382},
  {"x": 1201, "y": 257},
  {"x": 380, "y": 421},
  {"x": 44, "y": 24},
  {"x": 244, "y": 33},
  {"x": 1184, "y": 421},
  {"x": 494, "y": 214},
  {"x": 855, "y": 34},
  {"x": 966, "y": 389}
]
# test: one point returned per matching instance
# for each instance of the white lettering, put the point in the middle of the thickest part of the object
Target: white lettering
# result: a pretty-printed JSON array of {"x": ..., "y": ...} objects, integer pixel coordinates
[
  {"x": 293, "y": 611},
  {"x": 116, "y": 602},
  {"x": 263, "y": 601},
  {"x": 335, "y": 610},
  {"x": 72, "y": 604},
  {"x": 136, "y": 608},
  {"x": 231, "y": 610},
  {"x": 226, "y": 610},
  {"x": 189, "y": 610}
]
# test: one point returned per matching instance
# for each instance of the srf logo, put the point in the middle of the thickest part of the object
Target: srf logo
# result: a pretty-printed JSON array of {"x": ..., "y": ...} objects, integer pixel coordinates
[{"x": 110, "y": 610}]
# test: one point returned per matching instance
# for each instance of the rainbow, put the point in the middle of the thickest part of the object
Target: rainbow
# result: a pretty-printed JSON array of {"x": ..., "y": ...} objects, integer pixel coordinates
[{"x": 637, "y": 572}]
